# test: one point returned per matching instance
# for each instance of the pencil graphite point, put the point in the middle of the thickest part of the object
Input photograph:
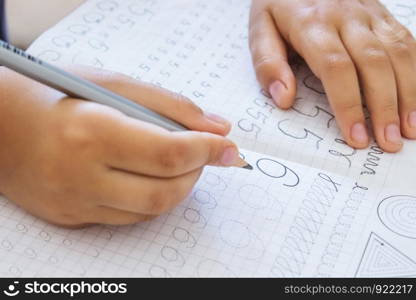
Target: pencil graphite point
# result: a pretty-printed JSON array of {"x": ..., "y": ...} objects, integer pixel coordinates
[
  {"x": 248, "y": 167},
  {"x": 243, "y": 164}
]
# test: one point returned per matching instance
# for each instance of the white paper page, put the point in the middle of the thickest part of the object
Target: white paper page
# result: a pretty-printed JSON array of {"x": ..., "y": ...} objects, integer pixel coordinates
[
  {"x": 282, "y": 219},
  {"x": 199, "y": 48}
]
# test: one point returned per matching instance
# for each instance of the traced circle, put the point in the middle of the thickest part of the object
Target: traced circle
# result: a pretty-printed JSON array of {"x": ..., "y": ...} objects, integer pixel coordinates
[
  {"x": 80, "y": 59},
  {"x": 202, "y": 196},
  {"x": 67, "y": 242},
  {"x": 53, "y": 260},
  {"x": 205, "y": 198},
  {"x": 275, "y": 169},
  {"x": 213, "y": 268},
  {"x": 107, "y": 5},
  {"x": 212, "y": 179},
  {"x": 98, "y": 45},
  {"x": 235, "y": 234},
  {"x": 30, "y": 253},
  {"x": 93, "y": 18},
  {"x": 15, "y": 271},
  {"x": 64, "y": 41},
  {"x": 158, "y": 272},
  {"x": 271, "y": 168},
  {"x": 254, "y": 196},
  {"x": 49, "y": 55},
  {"x": 45, "y": 236},
  {"x": 21, "y": 228},
  {"x": 276, "y": 272},
  {"x": 398, "y": 213},
  {"x": 216, "y": 181},
  {"x": 184, "y": 236},
  {"x": 79, "y": 29}
]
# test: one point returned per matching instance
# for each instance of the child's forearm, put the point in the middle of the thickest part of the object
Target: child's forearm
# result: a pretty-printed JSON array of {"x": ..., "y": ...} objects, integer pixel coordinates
[{"x": 40, "y": 14}]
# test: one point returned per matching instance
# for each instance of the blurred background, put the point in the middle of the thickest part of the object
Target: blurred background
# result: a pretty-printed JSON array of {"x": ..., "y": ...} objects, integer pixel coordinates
[{"x": 28, "y": 19}]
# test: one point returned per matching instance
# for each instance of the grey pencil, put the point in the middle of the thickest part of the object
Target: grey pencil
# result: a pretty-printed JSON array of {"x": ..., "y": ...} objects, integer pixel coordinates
[{"x": 72, "y": 85}]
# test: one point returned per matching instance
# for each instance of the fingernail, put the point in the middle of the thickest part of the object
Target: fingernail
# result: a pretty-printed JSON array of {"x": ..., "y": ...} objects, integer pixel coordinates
[
  {"x": 217, "y": 119},
  {"x": 276, "y": 90},
  {"x": 359, "y": 133},
  {"x": 393, "y": 134},
  {"x": 412, "y": 119},
  {"x": 230, "y": 157}
]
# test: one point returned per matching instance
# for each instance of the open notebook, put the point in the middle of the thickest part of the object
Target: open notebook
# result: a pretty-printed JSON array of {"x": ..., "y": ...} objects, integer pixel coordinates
[{"x": 312, "y": 206}]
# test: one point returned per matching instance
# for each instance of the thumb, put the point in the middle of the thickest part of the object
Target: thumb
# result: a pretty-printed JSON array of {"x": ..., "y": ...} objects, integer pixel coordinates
[{"x": 270, "y": 61}]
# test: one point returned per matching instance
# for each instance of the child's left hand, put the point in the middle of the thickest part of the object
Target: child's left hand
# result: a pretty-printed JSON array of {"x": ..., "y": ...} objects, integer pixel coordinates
[{"x": 350, "y": 45}]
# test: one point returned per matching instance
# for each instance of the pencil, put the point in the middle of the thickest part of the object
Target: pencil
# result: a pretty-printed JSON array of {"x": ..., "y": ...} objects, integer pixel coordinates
[{"x": 18, "y": 60}]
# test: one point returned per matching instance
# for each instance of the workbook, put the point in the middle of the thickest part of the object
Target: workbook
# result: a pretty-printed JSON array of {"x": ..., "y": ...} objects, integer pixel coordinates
[{"x": 312, "y": 206}]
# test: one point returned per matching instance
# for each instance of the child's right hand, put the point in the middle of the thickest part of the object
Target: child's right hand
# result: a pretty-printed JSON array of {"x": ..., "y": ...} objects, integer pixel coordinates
[{"x": 74, "y": 162}]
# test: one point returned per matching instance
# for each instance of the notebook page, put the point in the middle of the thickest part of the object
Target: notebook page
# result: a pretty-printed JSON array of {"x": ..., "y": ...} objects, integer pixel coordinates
[
  {"x": 282, "y": 219},
  {"x": 200, "y": 49},
  {"x": 286, "y": 218}
]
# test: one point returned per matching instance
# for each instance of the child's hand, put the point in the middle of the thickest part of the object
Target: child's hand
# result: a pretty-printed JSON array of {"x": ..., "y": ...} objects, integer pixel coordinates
[
  {"x": 349, "y": 44},
  {"x": 74, "y": 162}
]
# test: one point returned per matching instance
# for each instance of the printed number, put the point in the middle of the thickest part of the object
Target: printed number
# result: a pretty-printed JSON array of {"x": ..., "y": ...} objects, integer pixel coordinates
[
  {"x": 307, "y": 134},
  {"x": 248, "y": 126},
  {"x": 107, "y": 5},
  {"x": 144, "y": 67},
  {"x": 184, "y": 236},
  {"x": 257, "y": 115},
  {"x": 274, "y": 169},
  {"x": 264, "y": 104},
  {"x": 125, "y": 20}
]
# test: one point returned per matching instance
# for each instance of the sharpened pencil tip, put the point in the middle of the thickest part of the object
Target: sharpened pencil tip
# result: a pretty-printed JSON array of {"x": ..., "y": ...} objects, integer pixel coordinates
[
  {"x": 241, "y": 163},
  {"x": 248, "y": 167}
]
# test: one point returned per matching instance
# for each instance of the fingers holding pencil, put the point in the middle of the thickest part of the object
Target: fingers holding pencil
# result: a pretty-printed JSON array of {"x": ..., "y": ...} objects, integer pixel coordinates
[
  {"x": 172, "y": 153},
  {"x": 97, "y": 165}
]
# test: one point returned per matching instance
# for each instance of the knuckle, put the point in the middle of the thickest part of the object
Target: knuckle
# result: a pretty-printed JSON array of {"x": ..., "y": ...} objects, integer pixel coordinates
[
  {"x": 374, "y": 56},
  {"x": 350, "y": 106},
  {"x": 256, "y": 27},
  {"x": 404, "y": 34},
  {"x": 266, "y": 62},
  {"x": 309, "y": 15},
  {"x": 113, "y": 80},
  {"x": 62, "y": 214},
  {"x": 389, "y": 107},
  {"x": 314, "y": 14},
  {"x": 174, "y": 157},
  {"x": 51, "y": 175},
  {"x": 69, "y": 219},
  {"x": 384, "y": 108},
  {"x": 305, "y": 24},
  {"x": 337, "y": 62},
  {"x": 400, "y": 49}
]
